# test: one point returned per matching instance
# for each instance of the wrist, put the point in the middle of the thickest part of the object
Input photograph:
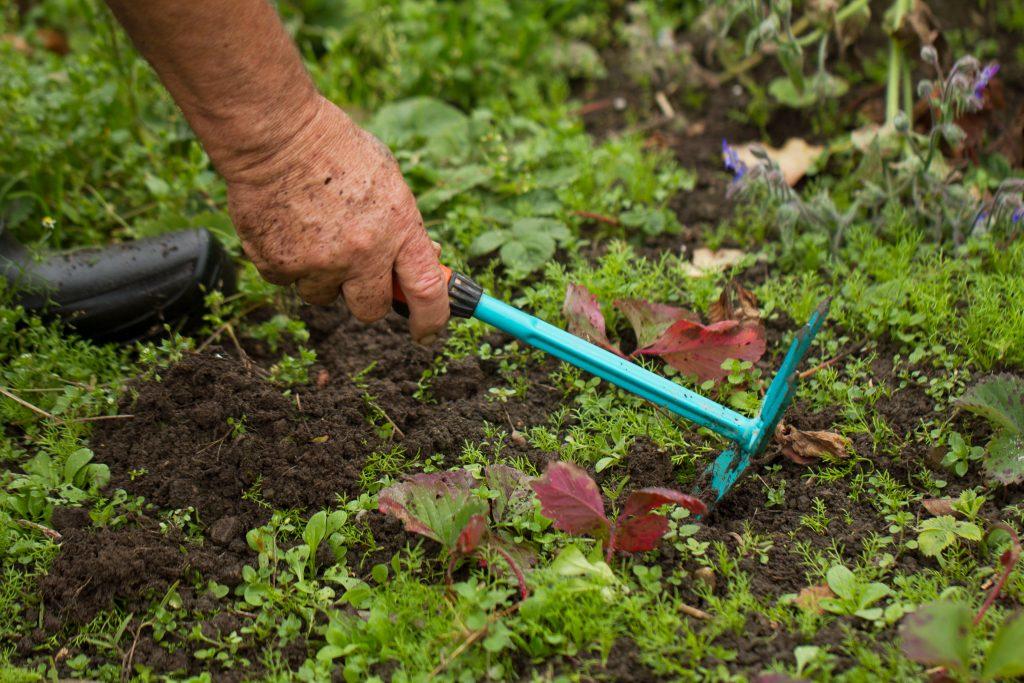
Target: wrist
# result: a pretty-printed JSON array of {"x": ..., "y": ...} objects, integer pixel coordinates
[{"x": 259, "y": 146}]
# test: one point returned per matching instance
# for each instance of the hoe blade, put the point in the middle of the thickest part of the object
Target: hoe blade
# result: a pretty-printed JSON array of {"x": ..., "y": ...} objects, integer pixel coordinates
[{"x": 730, "y": 465}]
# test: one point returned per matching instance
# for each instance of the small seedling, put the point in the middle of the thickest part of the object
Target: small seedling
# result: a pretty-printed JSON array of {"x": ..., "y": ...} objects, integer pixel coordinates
[
  {"x": 938, "y": 533},
  {"x": 1000, "y": 400},
  {"x": 853, "y": 596},
  {"x": 446, "y": 507},
  {"x": 571, "y": 499}
]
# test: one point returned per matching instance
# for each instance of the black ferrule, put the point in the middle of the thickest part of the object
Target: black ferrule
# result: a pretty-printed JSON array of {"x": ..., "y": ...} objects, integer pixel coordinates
[{"x": 464, "y": 295}]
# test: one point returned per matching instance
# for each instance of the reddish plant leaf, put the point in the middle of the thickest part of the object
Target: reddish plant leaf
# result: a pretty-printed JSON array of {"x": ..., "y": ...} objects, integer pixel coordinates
[
  {"x": 437, "y": 505},
  {"x": 809, "y": 598},
  {"x": 650, "y": 320},
  {"x": 513, "y": 488},
  {"x": 471, "y": 534},
  {"x": 638, "y": 529},
  {"x": 645, "y": 500},
  {"x": 570, "y": 498},
  {"x": 638, "y": 534},
  {"x": 585, "y": 319},
  {"x": 700, "y": 350}
]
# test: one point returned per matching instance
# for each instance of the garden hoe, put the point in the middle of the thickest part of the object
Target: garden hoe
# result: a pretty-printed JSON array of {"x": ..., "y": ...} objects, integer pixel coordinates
[{"x": 749, "y": 435}]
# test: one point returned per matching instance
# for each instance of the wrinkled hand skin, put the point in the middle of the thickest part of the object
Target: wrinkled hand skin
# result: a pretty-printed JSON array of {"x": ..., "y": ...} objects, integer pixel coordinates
[{"x": 330, "y": 212}]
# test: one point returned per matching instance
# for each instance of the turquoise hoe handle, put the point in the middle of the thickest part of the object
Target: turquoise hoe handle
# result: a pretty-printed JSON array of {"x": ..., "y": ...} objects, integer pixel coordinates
[{"x": 749, "y": 434}]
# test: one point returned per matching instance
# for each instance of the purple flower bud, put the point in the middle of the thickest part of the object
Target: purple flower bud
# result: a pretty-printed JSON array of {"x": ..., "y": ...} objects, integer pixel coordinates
[
  {"x": 1017, "y": 216},
  {"x": 732, "y": 161},
  {"x": 984, "y": 78}
]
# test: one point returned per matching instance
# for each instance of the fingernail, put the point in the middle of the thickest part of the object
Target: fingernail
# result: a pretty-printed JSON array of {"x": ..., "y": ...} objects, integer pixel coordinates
[{"x": 428, "y": 340}]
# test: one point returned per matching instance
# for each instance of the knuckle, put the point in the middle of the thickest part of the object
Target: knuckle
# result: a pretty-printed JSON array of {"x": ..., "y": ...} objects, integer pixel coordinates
[{"x": 428, "y": 284}]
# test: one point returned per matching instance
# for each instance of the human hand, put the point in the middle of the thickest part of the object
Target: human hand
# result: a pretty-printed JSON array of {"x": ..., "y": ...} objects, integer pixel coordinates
[{"x": 330, "y": 212}]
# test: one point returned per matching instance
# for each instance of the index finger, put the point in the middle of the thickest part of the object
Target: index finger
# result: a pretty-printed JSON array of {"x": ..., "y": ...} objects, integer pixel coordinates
[{"x": 424, "y": 282}]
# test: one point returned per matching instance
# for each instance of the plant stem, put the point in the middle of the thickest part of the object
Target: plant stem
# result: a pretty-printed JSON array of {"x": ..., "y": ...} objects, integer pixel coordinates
[
  {"x": 1008, "y": 560},
  {"x": 893, "y": 90}
]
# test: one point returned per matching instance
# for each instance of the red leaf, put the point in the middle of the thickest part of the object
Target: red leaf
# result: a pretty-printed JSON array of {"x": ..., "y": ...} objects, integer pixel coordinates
[
  {"x": 650, "y": 320},
  {"x": 570, "y": 498},
  {"x": 645, "y": 500},
  {"x": 471, "y": 534},
  {"x": 585, "y": 318},
  {"x": 398, "y": 500},
  {"x": 638, "y": 529},
  {"x": 639, "y": 534},
  {"x": 701, "y": 349}
]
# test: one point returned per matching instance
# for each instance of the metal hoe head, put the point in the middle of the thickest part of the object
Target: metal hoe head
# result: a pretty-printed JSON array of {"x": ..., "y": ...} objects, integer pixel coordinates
[
  {"x": 730, "y": 465},
  {"x": 750, "y": 435}
]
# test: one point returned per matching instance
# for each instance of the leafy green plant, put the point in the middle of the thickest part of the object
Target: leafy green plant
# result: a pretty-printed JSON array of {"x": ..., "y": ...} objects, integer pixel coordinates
[
  {"x": 941, "y": 634},
  {"x": 525, "y": 245},
  {"x": 938, "y": 533},
  {"x": 1000, "y": 400},
  {"x": 446, "y": 507},
  {"x": 854, "y": 596},
  {"x": 960, "y": 454},
  {"x": 570, "y": 498},
  {"x": 293, "y": 370}
]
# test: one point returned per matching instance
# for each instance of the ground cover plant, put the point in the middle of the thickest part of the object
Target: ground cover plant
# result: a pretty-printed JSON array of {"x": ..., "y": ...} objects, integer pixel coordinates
[{"x": 282, "y": 493}]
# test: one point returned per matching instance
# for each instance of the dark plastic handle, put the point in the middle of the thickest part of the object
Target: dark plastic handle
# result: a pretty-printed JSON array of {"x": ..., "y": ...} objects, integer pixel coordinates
[
  {"x": 463, "y": 295},
  {"x": 123, "y": 290}
]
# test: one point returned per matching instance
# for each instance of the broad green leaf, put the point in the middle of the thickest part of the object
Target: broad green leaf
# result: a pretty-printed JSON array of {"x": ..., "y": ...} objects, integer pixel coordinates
[
  {"x": 998, "y": 399},
  {"x": 842, "y": 582},
  {"x": 933, "y": 541},
  {"x": 316, "y": 530},
  {"x": 824, "y": 86},
  {"x": 1005, "y": 659},
  {"x": 572, "y": 562},
  {"x": 438, "y": 128},
  {"x": 938, "y": 634},
  {"x": 74, "y": 464},
  {"x": 528, "y": 253},
  {"x": 488, "y": 242},
  {"x": 874, "y": 592},
  {"x": 551, "y": 227},
  {"x": 1005, "y": 460},
  {"x": 452, "y": 183}
]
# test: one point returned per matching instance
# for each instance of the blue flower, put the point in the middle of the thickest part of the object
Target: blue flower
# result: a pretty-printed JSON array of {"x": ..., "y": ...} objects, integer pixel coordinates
[
  {"x": 986, "y": 75},
  {"x": 733, "y": 162},
  {"x": 1017, "y": 216}
]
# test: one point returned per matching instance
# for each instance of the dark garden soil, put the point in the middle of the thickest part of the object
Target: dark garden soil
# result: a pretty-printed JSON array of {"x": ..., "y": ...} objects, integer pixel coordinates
[
  {"x": 306, "y": 449},
  {"x": 179, "y": 452}
]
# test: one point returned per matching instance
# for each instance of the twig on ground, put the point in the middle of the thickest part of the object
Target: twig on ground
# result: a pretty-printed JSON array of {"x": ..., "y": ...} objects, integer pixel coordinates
[
  {"x": 694, "y": 612},
  {"x": 599, "y": 217},
  {"x": 44, "y": 530},
  {"x": 100, "y": 418},
  {"x": 664, "y": 105},
  {"x": 830, "y": 362},
  {"x": 472, "y": 638},
  {"x": 25, "y": 404}
]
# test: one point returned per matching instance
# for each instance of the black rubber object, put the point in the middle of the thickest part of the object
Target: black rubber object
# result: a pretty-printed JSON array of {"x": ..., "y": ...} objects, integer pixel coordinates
[
  {"x": 123, "y": 291},
  {"x": 463, "y": 296}
]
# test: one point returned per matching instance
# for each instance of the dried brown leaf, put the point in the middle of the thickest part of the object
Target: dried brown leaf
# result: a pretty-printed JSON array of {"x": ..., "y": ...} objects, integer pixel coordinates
[
  {"x": 805, "y": 448},
  {"x": 809, "y": 598},
  {"x": 795, "y": 158},
  {"x": 937, "y": 507},
  {"x": 735, "y": 303}
]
